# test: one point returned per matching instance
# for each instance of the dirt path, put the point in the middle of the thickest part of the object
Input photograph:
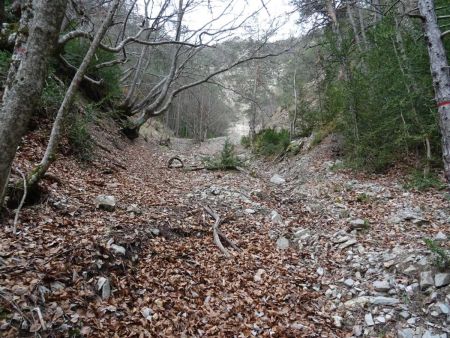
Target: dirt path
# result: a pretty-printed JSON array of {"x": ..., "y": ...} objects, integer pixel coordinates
[{"x": 151, "y": 268}]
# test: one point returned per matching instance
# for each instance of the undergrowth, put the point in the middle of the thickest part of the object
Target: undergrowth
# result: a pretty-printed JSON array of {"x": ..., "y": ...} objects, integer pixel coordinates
[
  {"x": 418, "y": 181},
  {"x": 268, "y": 142},
  {"x": 442, "y": 257},
  {"x": 225, "y": 160},
  {"x": 78, "y": 136},
  {"x": 5, "y": 59}
]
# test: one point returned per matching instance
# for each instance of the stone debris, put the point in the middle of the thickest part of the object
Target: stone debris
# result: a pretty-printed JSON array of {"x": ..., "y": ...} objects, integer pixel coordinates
[
  {"x": 134, "y": 209},
  {"x": 105, "y": 202},
  {"x": 384, "y": 301},
  {"x": 277, "y": 179},
  {"x": 441, "y": 279},
  {"x": 440, "y": 236},
  {"x": 369, "y": 319},
  {"x": 276, "y": 218},
  {"x": 381, "y": 286},
  {"x": 349, "y": 282},
  {"x": 282, "y": 243},
  {"x": 118, "y": 249},
  {"x": 405, "y": 333},
  {"x": 426, "y": 279}
]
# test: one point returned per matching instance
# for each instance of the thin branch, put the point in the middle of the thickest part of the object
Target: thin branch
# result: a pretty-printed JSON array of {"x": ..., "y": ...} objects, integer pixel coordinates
[
  {"x": 16, "y": 218},
  {"x": 416, "y": 16},
  {"x": 87, "y": 78},
  {"x": 120, "y": 46},
  {"x": 215, "y": 227},
  {"x": 210, "y": 76},
  {"x": 15, "y": 306},
  {"x": 445, "y": 33},
  {"x": 111, "y": 63}
]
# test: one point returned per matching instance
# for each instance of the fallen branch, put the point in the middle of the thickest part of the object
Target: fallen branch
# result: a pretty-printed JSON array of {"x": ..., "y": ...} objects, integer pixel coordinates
[
  {"x": 194, "y": 168},
  {"x": 215, "y": 228},
  {"x": 229, "y": 241},
  {"x": 15, "y": 306},
  {"x": 173, "y": 159},
  {"x": 41, "y": 319},
  {"x": 16, "y": 218}
]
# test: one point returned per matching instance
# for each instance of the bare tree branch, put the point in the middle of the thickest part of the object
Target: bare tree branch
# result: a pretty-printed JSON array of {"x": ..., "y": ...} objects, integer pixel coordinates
[{"x": 85, "y": 77}]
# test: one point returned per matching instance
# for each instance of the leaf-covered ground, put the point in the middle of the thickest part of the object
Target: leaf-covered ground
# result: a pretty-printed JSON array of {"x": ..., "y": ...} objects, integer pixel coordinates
[{"x": 172, "y": 280}]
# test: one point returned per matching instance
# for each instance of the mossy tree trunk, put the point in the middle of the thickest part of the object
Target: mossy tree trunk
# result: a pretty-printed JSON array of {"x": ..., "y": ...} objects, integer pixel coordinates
[{"x": 26, "y": 79}]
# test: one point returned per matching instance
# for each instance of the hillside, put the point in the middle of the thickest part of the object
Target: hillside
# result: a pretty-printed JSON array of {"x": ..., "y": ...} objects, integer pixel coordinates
[
  {"x": 223, "y": 168},
  {"x": 323, "y": 254}
]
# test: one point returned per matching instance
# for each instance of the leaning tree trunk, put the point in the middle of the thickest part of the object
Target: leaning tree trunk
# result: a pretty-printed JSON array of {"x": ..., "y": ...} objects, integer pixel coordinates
[
  {"x": 24, "y": 91},
  {"x": 48, "y": 158},
  {"x": 440, "y": 74}
]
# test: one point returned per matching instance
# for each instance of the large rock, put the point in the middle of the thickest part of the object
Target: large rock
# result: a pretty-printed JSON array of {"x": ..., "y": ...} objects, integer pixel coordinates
[
  {"x": 441, "y": 279},
  {"x": 277, "y": 179},
  {"x": 426, "y": 279},
  {"x": 369, "y": 319},
  {"x": 350, "y": 242},
  {"x": 405, "y": 333},
  {"x": 357, "y": 224},
  {"x": 118, "y": 249},
  {"x": 430, "y": 334},
  {"x": 384, "y": 301},
  {"x": 105, "y": 202},
  {"x": 408, "y": 214},
  {"x": 381, "y": 286}
]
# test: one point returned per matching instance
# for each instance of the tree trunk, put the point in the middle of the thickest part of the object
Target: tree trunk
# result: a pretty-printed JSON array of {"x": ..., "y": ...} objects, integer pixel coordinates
[
  {"x": 377, "y": 10},
  {"x": 362, "y": 27},
  {"x": 254, "y": 108},
  {"x": 48, "y": 158},
  {"x": 440, "y": 74},
  {"x": 351, "y": 19},
  {"x": 294, "y": 119},
  {"x": 2, "y": 12},
  {"x": 22, "y": 94}
]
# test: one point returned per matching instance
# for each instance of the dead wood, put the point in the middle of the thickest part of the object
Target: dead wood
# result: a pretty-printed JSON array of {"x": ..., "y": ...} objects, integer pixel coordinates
[
  {"x": 172, "y": 160},
  {"x": 218, "y": 235},
  {"x": 193, "y": 168},
  {"x": 22, "y": 201},
  {"x": 229, "y": 241},
  {"x": 216, "y": 230}
]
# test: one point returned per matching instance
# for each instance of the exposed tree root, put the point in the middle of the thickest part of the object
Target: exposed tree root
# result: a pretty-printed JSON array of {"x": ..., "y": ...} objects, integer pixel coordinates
[{"x": 217, "y": 234}]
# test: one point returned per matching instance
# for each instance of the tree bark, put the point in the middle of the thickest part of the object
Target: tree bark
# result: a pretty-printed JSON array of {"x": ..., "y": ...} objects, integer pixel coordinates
[
  {"x": 294, "y": 119},
  {"x": 2, "y": 12},
  {"x": 351, "y": 19},
  {"x": 440, "y": 73},
  {"x": 27, "y": 80},
  {"x": 48, "y": 158}
]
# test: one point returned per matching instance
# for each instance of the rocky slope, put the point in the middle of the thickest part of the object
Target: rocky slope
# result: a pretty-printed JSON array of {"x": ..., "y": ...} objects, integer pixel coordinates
[{"x": 124, "y": 247}]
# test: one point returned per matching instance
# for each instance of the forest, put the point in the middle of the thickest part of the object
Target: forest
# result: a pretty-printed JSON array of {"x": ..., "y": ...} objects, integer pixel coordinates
[{"x": 224, "y": 168}]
